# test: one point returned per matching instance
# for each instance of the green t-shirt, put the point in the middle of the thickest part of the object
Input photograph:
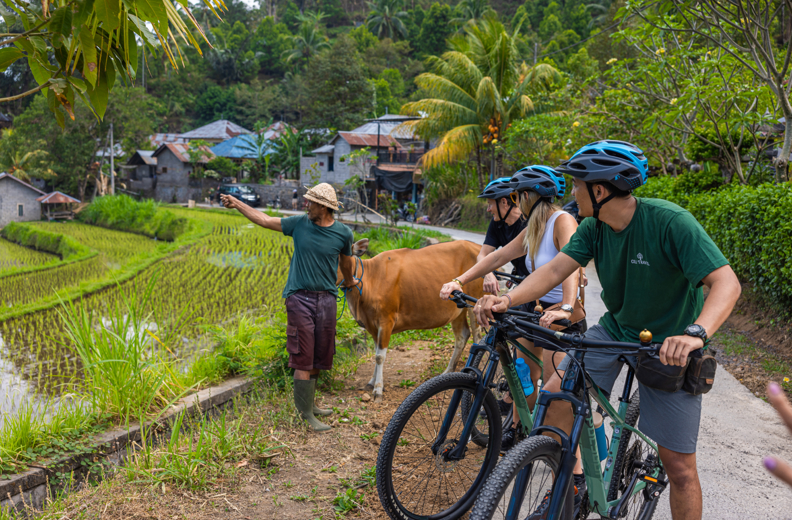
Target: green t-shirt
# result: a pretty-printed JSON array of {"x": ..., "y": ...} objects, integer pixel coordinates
[
  {"x": 314, "y": 266},
  {"x": 651, "y": 271}
]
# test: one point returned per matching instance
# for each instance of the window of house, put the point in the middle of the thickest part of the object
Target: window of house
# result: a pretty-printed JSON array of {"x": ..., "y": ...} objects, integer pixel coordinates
[
  {"x": 330, "y": 165},
  {"x": 164, "y": 170},
  {"x": 21, "y": 210}
]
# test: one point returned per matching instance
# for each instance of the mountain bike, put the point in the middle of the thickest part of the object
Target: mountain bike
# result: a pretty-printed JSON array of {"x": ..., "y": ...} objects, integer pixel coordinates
[
  {"x": 438, "y": 449},
  {"x": 534, "y": 479}
]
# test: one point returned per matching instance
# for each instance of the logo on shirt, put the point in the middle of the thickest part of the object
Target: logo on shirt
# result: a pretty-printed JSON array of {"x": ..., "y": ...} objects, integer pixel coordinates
[{"x": 640, "y": 260}]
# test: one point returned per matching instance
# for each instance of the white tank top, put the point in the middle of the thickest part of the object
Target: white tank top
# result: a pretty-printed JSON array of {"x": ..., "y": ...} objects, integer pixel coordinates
[{"x": 547, "y": 251}]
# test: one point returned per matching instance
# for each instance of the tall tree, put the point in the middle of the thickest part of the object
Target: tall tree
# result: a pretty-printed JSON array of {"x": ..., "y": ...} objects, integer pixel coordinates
[
  {"x": 473, "y": 94},
  {"x": 435, "y": 28},
  {"x": 340, "y": 95},
  {"x": 386, "y": 19},
  {"x": 307, "y": 43}
]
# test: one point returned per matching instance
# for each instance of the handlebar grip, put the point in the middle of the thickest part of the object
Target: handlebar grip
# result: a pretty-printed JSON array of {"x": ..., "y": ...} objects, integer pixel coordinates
[{"x": 563, "y": 323}]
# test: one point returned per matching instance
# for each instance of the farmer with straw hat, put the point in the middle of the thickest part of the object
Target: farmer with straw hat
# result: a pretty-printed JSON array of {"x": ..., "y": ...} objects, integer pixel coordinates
[{"x": 320, "y": 245}]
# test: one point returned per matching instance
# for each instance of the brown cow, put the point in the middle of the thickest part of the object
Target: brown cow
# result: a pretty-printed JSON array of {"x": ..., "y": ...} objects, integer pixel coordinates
[{"x": 400, "y": 291}]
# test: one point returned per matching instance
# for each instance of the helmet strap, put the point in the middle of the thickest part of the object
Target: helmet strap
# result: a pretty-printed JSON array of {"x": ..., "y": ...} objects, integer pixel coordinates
[
  {"x": 497, "y": 208},
  {"x": 597, "y": 205},
  {"x": 540, "y": 199}
]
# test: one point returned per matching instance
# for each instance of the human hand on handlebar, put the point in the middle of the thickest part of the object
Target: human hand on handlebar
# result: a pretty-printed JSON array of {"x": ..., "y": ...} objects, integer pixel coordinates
[
  {"x": 675, "y": 349},
  {"x": 491, "y": 284},
  {"x": 779, "y": 468},
  {"x": 488, "y": 304},
  {"x": 445, "y": 292},
  {"x": 549, "y": 317}
]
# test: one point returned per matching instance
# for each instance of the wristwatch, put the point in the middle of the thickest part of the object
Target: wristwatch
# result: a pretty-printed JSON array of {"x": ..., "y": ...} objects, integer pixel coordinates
[
  {"x": 567, "y": 308},
  {"x": 697, "y": 331}
]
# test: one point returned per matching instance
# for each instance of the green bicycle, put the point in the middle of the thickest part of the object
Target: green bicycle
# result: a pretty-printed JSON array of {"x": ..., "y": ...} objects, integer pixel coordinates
[{"x": 534, "y": 480}]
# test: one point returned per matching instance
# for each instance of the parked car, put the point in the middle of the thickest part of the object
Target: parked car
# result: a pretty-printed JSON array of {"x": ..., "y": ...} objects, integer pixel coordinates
[{"x": 243, "y": 193}]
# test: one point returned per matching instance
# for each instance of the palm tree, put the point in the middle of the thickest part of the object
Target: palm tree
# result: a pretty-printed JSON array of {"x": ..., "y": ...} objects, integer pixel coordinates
[
  {"x": 385, "y": 19},
  {"x": 308, "y": 42},
  {"x": 471, "y": 10},
  {"x": 312, "y": 17},
  {"x": 474, "y": 92},
  {"x": 259, "y": 145},
  {"x": 24, "y": 165}
]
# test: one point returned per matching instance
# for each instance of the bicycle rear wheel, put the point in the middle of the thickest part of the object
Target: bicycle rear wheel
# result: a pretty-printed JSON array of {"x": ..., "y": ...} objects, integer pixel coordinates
[
  {"x": 417, "y": 481},
  {"x": 521, "y": 485},
  {"x": 635, "y": 456},
  {"x": 501, "y": 390}
]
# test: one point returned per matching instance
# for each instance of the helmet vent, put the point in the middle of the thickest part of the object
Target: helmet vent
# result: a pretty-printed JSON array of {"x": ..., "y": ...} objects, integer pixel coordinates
[
  {"x": 589, "y": 152},
  {"x": 614, "y": 153},
  {"x": 577, "y": 166},
  {"x": 605, "y": 162}
]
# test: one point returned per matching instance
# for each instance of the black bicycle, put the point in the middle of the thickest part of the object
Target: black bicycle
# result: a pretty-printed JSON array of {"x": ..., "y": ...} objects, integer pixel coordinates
[{"x": 438, "y": 448}]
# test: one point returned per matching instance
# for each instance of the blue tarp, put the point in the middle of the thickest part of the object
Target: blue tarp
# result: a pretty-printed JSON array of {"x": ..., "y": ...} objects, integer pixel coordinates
[{"x": 240, "y": 147}]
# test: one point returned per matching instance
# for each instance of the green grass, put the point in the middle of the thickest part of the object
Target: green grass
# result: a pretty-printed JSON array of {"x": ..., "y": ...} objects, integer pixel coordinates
[
  {"x": 382, "y": 238},
  {"x": 142, "y": 217},
  {"x": 14, "y": 257},
  {"x": 735, "y": 344}
]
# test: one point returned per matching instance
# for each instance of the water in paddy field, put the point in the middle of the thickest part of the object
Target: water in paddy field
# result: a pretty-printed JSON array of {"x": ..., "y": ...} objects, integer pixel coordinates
[{"x": 237, "y": 268}]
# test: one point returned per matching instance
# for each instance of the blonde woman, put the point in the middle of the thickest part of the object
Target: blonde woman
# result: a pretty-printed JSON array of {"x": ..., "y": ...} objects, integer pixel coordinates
[{"x": 548, "y": 230}]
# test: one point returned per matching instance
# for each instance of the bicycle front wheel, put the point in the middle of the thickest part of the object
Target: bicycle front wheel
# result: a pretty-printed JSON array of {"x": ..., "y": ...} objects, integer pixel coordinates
[
  {"x": 521, "y": 486},
  {"x": 634, "y": 456},
  {"x": 415, "y": 477}
]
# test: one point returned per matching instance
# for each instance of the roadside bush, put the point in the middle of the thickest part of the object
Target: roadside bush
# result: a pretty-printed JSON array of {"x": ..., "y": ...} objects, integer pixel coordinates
[
  {"x": 64, "y": 246},
  {"x": 750, "y": 224},
  {"x": 124, "y": 213}
]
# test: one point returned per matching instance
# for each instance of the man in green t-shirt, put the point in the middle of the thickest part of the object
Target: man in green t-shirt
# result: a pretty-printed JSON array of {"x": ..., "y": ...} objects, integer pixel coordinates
[
  {"x": 652, "y": 258},
  {"x": 320, "y": 245}
]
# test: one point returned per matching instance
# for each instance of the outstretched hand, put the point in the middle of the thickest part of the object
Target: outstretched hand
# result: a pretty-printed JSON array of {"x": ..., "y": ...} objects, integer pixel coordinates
[
  {"x": 780, "y": 469},
  {"x": 445, "y": 292},
  {"x": 230, "y": 202}
]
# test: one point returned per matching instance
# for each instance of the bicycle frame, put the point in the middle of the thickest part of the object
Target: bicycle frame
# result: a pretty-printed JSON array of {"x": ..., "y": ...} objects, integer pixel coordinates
[
  {"x": 583, "y": 434},
  {"x": 495, "y": 343}
]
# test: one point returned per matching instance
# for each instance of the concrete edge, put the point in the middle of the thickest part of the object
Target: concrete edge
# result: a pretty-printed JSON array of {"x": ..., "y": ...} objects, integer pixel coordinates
[{"x": 31, "y": 487}]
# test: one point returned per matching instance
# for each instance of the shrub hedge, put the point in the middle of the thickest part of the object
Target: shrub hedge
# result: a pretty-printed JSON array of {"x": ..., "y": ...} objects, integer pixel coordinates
[
  {"x": 68, "y": 249},
  {"x": 124, "y": 213},
  {"x": 750, "y": 224}
]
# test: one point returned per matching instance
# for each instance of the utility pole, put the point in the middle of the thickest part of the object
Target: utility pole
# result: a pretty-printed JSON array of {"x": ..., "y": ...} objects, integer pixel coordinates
[
  {"x": 112, "y": 162},
  {"x": 536, "y": 51}
]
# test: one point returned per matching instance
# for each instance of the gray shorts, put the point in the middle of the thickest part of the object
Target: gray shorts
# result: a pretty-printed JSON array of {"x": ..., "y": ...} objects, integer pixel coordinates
[{"x": 670, "y": 419}]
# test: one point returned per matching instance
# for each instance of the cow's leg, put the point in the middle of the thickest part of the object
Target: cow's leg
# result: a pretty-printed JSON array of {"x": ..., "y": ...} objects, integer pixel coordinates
[
  {"x": 377, "y": 382},
  {"x": 461, "y": 335},
  {"x": 474, "y": 326}
]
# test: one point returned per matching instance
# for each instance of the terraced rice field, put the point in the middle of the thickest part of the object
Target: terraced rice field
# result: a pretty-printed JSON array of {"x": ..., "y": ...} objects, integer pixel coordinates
[
  {"x": 13, "y": 256},
  {"x": 238, "y": 267}
]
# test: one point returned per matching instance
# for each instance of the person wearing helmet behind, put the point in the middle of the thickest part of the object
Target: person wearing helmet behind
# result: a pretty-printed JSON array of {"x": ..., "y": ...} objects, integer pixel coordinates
[
  {"x": 507, "y": 222},
  {"x": 547, "y": 230},
  {"x": 652, "y": 258}
]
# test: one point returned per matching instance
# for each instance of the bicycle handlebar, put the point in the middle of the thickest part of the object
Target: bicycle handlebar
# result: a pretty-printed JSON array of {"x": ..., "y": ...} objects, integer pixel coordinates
[
  {"x": 460, "y": 298},
  {"x": 510, "y": 277},
  {"x": 576, "y": 340}
]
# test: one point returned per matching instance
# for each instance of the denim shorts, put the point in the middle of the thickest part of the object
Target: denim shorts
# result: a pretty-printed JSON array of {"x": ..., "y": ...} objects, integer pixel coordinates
[{"x": 671, "y": 419}]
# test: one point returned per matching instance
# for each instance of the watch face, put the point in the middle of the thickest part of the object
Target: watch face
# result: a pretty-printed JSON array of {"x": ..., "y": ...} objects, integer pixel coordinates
[
  {"x": 566, "y": 307},
  {"x": 694, "y": 329}
]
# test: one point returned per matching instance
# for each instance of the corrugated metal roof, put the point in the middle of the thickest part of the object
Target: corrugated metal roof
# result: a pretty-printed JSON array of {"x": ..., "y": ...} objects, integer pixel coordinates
[
  {"x": 388, "y": 125},
  {"x": 5, "y": 175},
  {"x": 276, "y": 130},
  {"x": 240, "y": 147},
  {"x": 157, "y": 139},
  {"x": 180, "y": 151},
  {"x": 219, "y": 130},
  {"x": 141, "y": 157},
  {"x": 57, "y": 197},
  {"x": 356, "y": 139},
  {"x": 328, "y": 148}
]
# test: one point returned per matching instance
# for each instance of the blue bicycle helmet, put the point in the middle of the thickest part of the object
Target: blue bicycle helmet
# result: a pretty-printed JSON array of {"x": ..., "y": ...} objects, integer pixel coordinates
[
  {"x": 497, "y": 189},
  {"x": 618, "y": 163},
  {"x": 542, "y": 179}
]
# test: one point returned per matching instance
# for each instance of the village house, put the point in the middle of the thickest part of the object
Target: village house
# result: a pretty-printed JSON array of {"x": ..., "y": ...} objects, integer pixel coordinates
[
  {"x": 172, "y": 181},
  {"x": 215, "y": 132},
  {"x": 18, "y": 200}
]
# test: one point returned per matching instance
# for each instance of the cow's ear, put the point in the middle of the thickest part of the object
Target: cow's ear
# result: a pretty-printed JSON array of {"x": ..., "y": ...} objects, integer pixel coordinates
[{"x": 360, "y": 247}]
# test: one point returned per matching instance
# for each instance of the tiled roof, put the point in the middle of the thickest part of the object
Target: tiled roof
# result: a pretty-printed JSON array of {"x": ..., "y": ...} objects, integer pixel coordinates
[
  {"x": 180, "y": 151},
  {"x": 240, "y": 147},
  {"x": 221, "y": 130},
  {"x": 23, "y": 183},
  {"x": 356, "y": 139},
  {"x": 57, "y": 197}
]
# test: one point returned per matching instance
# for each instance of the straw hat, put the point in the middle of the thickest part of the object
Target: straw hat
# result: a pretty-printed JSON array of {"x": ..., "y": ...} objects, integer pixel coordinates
[{"x": 323, "y": 194}]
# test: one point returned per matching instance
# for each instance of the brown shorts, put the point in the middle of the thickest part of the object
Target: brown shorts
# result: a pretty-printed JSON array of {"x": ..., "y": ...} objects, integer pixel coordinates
[{"x": 311, "y": 329}]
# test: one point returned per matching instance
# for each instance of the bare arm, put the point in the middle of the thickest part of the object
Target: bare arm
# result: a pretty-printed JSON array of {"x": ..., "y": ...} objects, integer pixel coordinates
[
  {"x": 490, "y": 282},
  {"x": 257, "y": 217},
  {"x": 347, "y": 265},
  {"x": 489, "y": 263},
  {"x": 724, "y": 290}
]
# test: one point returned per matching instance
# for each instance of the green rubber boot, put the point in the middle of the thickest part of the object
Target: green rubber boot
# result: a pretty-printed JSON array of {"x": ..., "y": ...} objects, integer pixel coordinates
[
  {"x": 303, "y": 400},
  {"x": 321, "y": 412}
]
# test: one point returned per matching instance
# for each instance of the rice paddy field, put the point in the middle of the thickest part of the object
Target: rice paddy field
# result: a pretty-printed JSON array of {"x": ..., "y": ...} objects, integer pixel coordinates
[{"x": 235, "y": 268}]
